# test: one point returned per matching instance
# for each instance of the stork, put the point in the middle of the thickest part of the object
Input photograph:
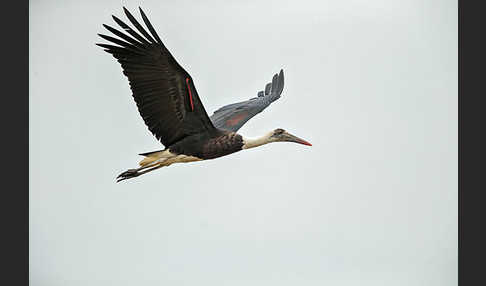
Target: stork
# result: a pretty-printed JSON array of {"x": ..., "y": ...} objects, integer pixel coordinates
[{"x": 170, "y": 106}]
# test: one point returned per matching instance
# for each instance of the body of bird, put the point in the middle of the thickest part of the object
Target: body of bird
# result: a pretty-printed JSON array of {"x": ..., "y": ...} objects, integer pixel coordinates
[
  {"x": 168, "y": 102},
  {"x": 214, "y": 146}
]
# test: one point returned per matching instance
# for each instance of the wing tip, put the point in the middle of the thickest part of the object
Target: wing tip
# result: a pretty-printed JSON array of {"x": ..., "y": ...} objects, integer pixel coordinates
[
  {"x": 127, "y": 12},
  {"x": 280, "y": 81}
]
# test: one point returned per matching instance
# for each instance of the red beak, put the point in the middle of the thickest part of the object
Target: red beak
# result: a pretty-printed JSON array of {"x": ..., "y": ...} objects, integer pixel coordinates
[
  {"x": 291, "y": 138},
  {"x": 304, "y": 142}
]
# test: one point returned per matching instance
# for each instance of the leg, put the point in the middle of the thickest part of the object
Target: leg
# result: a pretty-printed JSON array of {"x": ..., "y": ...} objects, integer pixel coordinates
[{"x": 132, "y": 173}]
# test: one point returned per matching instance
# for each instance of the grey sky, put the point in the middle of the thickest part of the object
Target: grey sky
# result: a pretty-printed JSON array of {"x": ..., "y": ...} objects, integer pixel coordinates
[{"x": 372, "y": 84}]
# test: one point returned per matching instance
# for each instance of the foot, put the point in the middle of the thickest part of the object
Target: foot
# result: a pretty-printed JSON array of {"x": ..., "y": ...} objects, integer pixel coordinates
[{"x": 128, "y": 174}]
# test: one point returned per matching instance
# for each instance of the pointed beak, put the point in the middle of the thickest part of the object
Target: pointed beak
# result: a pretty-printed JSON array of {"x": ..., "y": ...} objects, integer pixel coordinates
[{"x": 291, "y": 138}]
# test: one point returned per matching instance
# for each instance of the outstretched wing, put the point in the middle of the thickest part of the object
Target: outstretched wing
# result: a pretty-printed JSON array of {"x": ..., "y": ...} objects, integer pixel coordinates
[
  {"x": 231, "y": 117},
  {"x": 164, "y": 92}
]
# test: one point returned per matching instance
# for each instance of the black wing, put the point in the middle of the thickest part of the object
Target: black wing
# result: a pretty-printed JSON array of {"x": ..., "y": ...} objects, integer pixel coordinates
[
  {"x": 164, "y": 92},
  {"x": 231, "y": 117}
]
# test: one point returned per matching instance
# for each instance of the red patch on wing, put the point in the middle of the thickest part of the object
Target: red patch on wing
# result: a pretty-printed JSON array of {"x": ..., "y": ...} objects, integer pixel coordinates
[
  {"x": 236, "y": 119},
  {"x": 190, "y": 94}
]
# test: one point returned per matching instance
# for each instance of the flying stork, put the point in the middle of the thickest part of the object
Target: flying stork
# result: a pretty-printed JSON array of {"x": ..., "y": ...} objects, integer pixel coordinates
[{"x": 170, "y": 106}]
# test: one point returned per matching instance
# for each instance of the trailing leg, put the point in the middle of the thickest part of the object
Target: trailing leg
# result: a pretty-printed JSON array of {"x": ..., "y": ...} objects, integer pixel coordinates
[{"x": 132, "y": 173}]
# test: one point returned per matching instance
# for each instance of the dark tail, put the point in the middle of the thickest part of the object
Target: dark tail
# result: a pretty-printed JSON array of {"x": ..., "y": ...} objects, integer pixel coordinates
[{"x": 151, "y": 152}]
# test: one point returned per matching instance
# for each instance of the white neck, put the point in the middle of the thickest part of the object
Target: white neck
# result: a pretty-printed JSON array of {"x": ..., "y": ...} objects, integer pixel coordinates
[{"x": 255, "y": 142}]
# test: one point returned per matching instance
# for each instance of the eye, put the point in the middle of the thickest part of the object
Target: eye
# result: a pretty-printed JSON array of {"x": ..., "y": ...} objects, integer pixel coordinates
[{"x": 279, "y": 131}]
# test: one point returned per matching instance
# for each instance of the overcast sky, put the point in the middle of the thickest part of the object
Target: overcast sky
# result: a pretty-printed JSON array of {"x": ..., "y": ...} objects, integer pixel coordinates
[{"x": 372, "y": 84}]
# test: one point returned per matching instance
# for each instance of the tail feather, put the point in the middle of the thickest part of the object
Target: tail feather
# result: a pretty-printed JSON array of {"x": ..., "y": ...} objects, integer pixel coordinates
[
  {"x": 151, "y": 157},
  {"x": 150, "y": 153}
]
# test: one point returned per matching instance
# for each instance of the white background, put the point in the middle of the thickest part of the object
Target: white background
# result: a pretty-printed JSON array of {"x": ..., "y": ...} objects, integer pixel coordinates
[{"x": 371, "y": 84}]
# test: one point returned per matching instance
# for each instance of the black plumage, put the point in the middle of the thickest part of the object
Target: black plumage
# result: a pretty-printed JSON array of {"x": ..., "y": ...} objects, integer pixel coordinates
[
  {"x": 164, "y": 92},
  {"x": 207, "y": 146}
]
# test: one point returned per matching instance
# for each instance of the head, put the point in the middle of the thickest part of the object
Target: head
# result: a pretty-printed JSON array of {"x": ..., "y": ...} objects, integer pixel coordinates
[{"x": 280, "y": 135}]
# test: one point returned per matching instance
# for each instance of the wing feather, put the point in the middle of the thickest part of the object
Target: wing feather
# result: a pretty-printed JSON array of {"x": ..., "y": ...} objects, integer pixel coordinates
[
  {"x": 160, "y": 86},
  {"x": 233, "y": 116}
]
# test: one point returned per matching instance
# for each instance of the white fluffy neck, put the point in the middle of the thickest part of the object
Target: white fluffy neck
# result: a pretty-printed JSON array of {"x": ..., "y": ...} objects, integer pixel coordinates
[{"x": 255, "y": 142}]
